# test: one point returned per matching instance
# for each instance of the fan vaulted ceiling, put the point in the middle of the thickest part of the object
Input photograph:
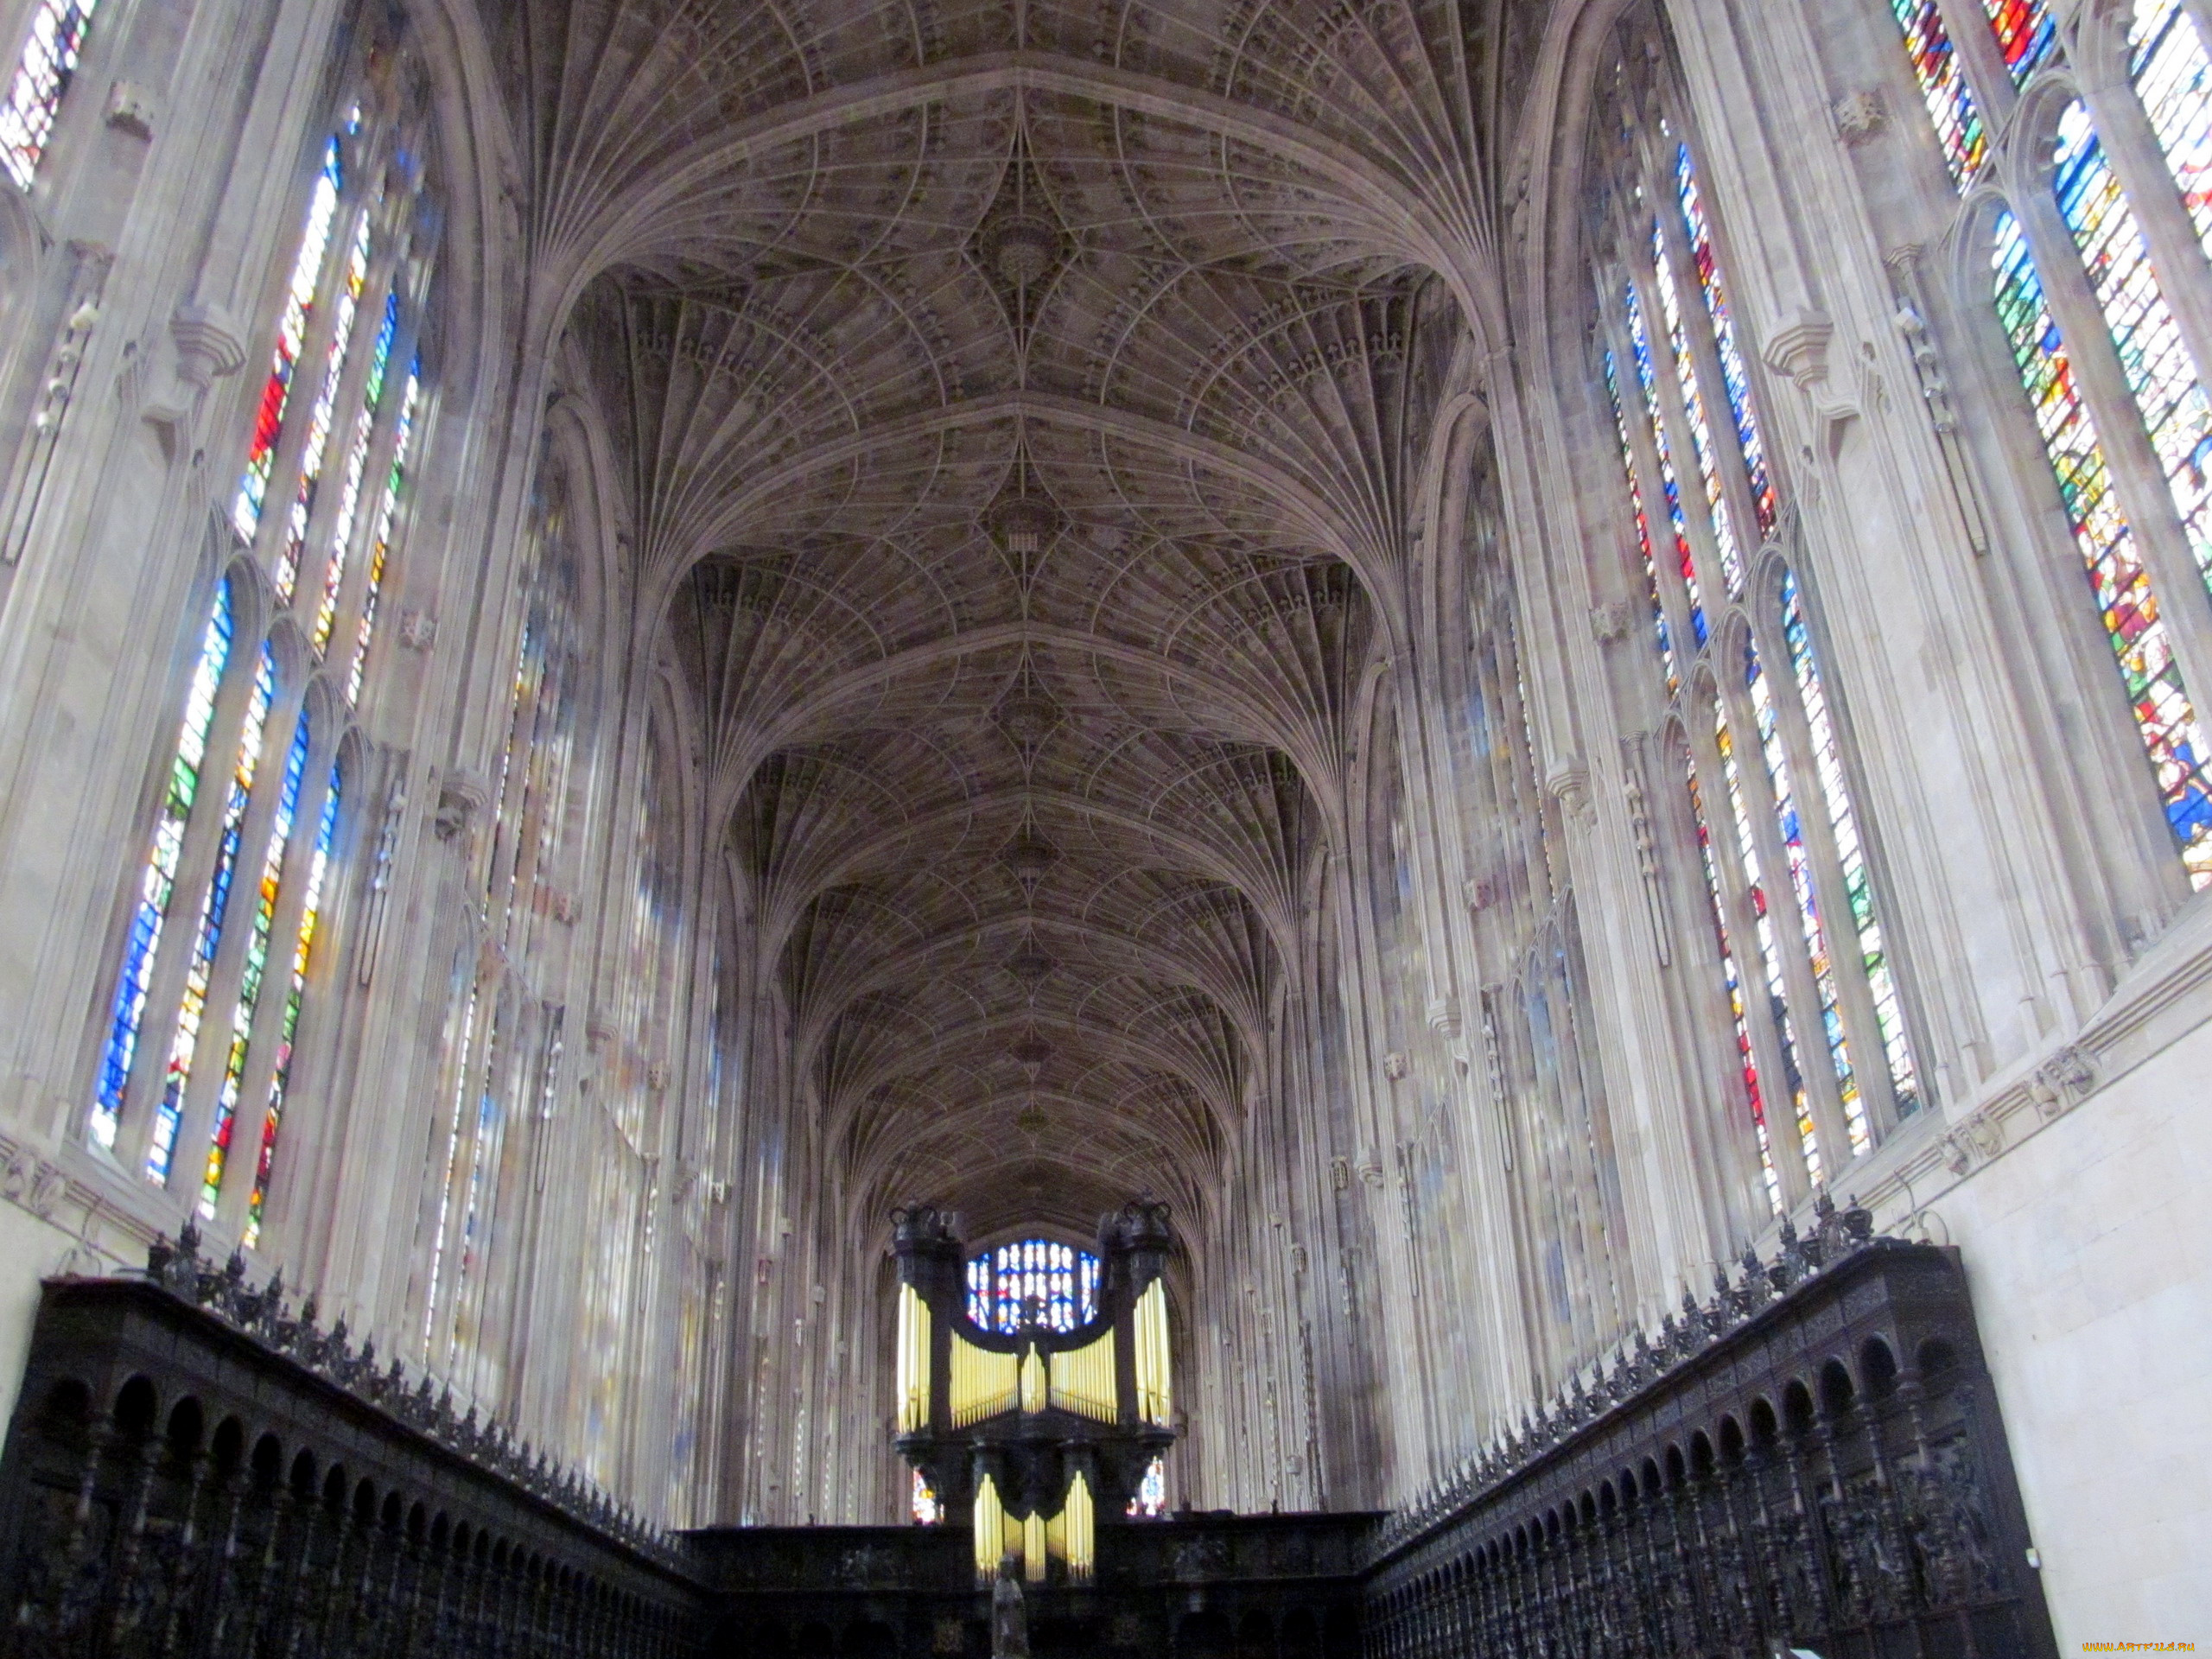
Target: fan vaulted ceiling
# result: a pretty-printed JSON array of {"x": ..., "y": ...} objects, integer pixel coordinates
[{"x": 1018, "y": 404}]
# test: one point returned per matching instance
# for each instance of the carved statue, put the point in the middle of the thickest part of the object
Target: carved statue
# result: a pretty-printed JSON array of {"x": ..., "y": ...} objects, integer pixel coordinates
[{"x": 1009, "y": 1615}]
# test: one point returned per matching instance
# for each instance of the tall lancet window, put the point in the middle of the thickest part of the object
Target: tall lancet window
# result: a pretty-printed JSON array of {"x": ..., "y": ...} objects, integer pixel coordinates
[
  {"x": 511, "y": 1038},
  {"x": 53, "y": 43},
  {"x": 1804, "y": 982},
  {"x": 223, "y": 950},
  {"x": 2101, "y": 287}
]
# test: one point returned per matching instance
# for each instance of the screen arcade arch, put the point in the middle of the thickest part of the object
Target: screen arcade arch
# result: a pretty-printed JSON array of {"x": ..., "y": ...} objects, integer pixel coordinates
[{"x": 1033, "y": 1432}]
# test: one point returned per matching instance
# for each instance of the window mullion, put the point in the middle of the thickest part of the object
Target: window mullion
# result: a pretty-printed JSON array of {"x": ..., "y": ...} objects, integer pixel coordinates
[
  {"x": 359, "y": 554},
  {"x": 309, "y": 366},
  {"x": 266, "y": 1036},
  {"x": 1785, "y": 1148},
  {"x": 1816, "y": 1057},
  {"x": 1862, "y": 1025},
  {"x": 1705, "y": 358},
  {"x": 1681, "y": 448},
  {"x": 1734, "y": 1165},
  {"x": 2144, "y": 496},
  {"x": 353, "y": 385},
  {"x": 1981, "y": 62},
  {"x": 1674, "y": 596},
  {"x": 195, "y": 870},
  {"x": 2176, "y": 256},
  {"x": 196, "y": 1111}
]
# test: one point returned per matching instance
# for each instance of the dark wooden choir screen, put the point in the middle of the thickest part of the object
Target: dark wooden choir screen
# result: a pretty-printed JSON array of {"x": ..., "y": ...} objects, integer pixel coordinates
[{"x": 1812, "y": 1459}]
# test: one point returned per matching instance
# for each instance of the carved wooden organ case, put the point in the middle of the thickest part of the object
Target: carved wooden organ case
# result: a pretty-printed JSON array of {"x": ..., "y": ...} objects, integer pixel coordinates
[{"x": 1031, "y": 1435}]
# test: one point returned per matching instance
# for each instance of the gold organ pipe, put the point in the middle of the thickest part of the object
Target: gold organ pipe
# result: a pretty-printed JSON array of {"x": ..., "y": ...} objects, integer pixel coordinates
[
  {"x": 1078, "y": 1522},
  {"x": 913, "y": 1361},
  {"x": 983, "y": 1384},
  {"x": 1082, "y": 1380},
  {"x": 1155, "y": 1392},
  {"x": 990, "y": 1530},
  {"x": 1034, "y": 1389},
  {"x": 1036, "y": 1552}
]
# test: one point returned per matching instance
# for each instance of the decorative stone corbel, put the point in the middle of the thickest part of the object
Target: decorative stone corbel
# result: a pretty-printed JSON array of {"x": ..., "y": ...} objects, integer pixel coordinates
[
  {"x": 2063, "y": 1081},
  {"x": 1394, "y": 1065},
  {"x": 209, "y": 347},
  {"x": 1799, "y": 348},
  {"x": 1568, "y": 784},
  {"x": 461, "y": 796},
  {"x": 1610, "y": 623},
  {"x": 130, "y": 108},
  {"x": 1974, "y": 1141},
  {"x": 1860, "y": 116}
]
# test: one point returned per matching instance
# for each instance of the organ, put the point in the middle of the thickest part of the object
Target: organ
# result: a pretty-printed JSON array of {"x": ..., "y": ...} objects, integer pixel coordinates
[{"x": 1031, "y": 1432}]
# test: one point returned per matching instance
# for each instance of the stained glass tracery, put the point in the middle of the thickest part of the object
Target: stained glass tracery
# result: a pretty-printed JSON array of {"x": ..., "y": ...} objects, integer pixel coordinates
[
  {"x": 2173, "y": 77},
  {"x": 1943, "y": 89},
  {"x": 51, "y": 51},
  {"x": 158, "y": 884},
  {"x": 260, "y": 885},
  {"x": 1784, "y": 883},
  {"x": 2172, "y": 80},
  {"x": 2165, "y": 718},
  {"x": 1034, "y": 1282},
  {"x": 2027, "y": 37}
]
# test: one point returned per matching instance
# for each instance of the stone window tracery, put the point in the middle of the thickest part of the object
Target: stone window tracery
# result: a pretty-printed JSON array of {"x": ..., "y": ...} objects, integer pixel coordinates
[
  {"x": 1032, "y": 1281},
  {"x": 2098, "y": 282},
  {"x": 1804, "y": 968},
  {"x": 231, "y": 894},
  {"x": 512, "y": 1035}
]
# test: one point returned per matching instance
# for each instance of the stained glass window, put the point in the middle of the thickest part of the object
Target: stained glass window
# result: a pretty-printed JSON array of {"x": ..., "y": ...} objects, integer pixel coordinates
[
  {"x": 320, "y": 412},
  {"x": 357, "y": 461},
  {"x": 922, "y": 1502},
  {"x": 1851, "y": 856},
  {"x": 291, "y": 337},
  {"x": 2174, "y": 80},
  {"x": 1780, "y": 886},
  {"x": 1734, "y": 981},
  {"x": 1785, "y": 1029},
  {"x": 159, "y": 883},
  {"x": 1642, "y": 526},
  {"x": 302, "y": 942},
  {"x": 1640, "y": 342},
  {"x": 1151, "y": 1501},
  {"x": 2172, "y": 401},
  {"x": 1782, "y": 789},
  {"x": 1709, "y": 465},
  {"x": 2025, "y": 34},
  {"x": 2165, "y": 718},
  {"x": 381, "y": 543},
  {"x": 1950, "y": 103},
  {"x": 42, "y": 75},
  {"x": 259, "y": 892},
  {"x": 1035, "y": 1281},
  {"x": 214, "y": 910},
  {"x": 260, "y": 921},
  {"x": 1734, "y": 381}
]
